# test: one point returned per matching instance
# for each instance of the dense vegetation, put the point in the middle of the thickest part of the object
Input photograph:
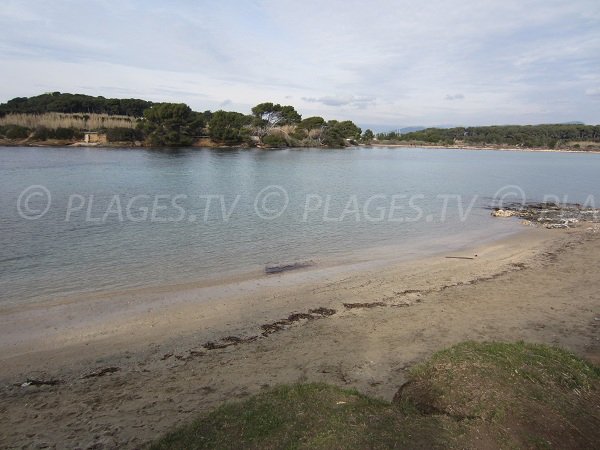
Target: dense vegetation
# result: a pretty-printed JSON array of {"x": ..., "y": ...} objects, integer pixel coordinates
[
  {"x": 123, "y": 134},
  {"x": 75, "y": 103},
  {"x": 266, "y": 116},
  {"x": 48, "y": 116},
  {"x": 171, "y": 124},
  {"x": 549, "y": 136},
  {"x": 165, "y": 124},
  {"x": 473, "y": 395},
  {"x": 229, "y": 127}
]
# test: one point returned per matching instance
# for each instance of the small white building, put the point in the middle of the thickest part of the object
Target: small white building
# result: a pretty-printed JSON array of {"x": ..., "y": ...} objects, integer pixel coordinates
[{"x": 93, "y": 137}]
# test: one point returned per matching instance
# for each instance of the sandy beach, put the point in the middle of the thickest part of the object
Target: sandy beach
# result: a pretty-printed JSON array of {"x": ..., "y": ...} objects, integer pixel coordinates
[{"x": 118, "y": 370}]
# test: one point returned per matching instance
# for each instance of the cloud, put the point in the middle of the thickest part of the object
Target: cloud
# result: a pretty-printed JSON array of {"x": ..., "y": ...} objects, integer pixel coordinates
[
  {"x": 593, "y": 92},
  {"x": 342, "y": 101},
  {"x": 507, "y": 57},
  {"x": 454, "y": 97}
]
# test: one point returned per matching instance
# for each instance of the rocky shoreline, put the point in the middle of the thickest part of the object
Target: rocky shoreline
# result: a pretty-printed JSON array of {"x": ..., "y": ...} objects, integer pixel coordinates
[{"x": 550, "y": 215}]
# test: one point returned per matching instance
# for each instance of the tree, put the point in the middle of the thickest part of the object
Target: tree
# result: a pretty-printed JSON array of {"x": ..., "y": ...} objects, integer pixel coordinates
[
  {"x": 331, "y": 135},
  {"x": 268, "y": 115},
  {"x": 308, "y": 128},
  {"x": 348, "y": 129},
  {"x": 171, "y": 124},
  {"x": 311, "y": 123},
  {"x": 75, "y": 103},
  {"x": 229, "y": 127},
  {"x": 367, "y": 136},
  {"x": 336, "y": 133},
  {"x": 275, "y": 114}
]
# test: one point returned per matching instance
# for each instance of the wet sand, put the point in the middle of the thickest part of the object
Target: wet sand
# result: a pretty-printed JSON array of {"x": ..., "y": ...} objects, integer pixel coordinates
[{"x": 131, "y": 366}]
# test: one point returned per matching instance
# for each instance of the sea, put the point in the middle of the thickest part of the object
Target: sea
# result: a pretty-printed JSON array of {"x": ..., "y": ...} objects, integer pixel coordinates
[{"x": 81, "y": 220}]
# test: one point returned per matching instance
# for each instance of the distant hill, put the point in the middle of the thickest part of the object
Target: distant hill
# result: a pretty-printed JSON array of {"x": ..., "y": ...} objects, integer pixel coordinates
[
  {"x": 410, "y": 129},
  {"x": 75, "y": 103},
  {"x": 386, "y": 128}
]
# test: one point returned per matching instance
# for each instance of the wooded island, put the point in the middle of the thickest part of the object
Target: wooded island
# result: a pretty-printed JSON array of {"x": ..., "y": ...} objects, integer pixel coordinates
[{"x": 63, "y": 119}]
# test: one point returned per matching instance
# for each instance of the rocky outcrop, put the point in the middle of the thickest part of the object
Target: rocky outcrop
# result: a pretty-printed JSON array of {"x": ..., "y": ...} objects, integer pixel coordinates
[{"x": 549, "y": 215}]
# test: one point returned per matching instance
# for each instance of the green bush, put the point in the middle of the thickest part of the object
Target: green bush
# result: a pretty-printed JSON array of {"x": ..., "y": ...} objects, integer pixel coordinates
[
  {"x": 229, "y": 127},
  {"x": 42, "y": 133},
  {"x": 274, "y": 140},
  {"x": 299, "y": 134},
  {"x": 122, "y": 134},
  {"x": 171, "y": 124},
  {"x": 14, "y": 132},
  {"x": 332, "y": 137},
  {"x": 66, "y": 134}
]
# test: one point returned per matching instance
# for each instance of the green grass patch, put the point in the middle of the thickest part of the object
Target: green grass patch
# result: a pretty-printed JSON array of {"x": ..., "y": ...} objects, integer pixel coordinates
[
  {"x": 501, "y": 395},
  {"x": 316, "y": 416}
]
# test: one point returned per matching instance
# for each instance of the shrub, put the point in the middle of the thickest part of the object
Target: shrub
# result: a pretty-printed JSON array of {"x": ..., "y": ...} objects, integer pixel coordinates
[
  {"x": 299, "y": 134},
  {"x": 229, "y": 127},
  {"x": 42, "y": 133},
  {"x": 121, "y": 134},
  {"x": 64, "y": 133},
  {"x": 274, "y": 140},
  {"x": 14, "y": 131}
]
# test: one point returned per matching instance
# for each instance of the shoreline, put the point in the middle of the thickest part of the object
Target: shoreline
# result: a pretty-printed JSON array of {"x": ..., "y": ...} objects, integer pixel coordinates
[
  {"x": 214, "y": 145},
  {"x": 538, "y": 285},
  {"x": 481, "y": 147},
  {"x": 375, "y": 255},
  {"x": 95, "y": 314}
]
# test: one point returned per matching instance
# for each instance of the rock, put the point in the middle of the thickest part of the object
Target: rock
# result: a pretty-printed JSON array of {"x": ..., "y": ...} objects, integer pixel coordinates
[
  {"x": 503, "y": 213},
  {"x": 548, "y": 215}
]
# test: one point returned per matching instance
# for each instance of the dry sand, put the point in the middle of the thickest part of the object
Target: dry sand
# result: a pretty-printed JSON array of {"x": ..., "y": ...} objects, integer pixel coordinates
[{"x": 539, "y": 286}]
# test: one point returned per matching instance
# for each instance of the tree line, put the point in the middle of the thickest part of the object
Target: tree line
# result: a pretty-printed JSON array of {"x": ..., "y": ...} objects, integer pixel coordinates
[
  {"x": 176, "y": 124},
  {"x": 75, "y": 103},
  {"x": 548, "y": 136},
  {"x": 267, "y": 124}
]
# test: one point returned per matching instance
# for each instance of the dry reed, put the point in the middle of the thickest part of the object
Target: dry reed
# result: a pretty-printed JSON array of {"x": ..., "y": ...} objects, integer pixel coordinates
[{"x": 54, "y": 120}]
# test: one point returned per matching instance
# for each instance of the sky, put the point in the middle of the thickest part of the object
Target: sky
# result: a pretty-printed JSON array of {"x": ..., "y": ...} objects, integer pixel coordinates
[{"x": 385, "y": 64}]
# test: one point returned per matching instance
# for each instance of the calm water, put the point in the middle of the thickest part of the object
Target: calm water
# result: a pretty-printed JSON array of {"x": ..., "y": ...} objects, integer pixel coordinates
[{"x": 126, "y": 217}]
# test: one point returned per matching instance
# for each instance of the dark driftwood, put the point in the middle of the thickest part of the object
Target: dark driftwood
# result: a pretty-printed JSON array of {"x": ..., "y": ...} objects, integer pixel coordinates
[
  {"x": 286, "y": 267},
  {"x": 34, "y": 382},
  {"x": 459, "y": 257},
  {"x": 102, "y": 372}
]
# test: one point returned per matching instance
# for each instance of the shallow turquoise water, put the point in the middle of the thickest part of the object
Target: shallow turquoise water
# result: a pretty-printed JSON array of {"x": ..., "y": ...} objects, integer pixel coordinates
[{"x": 121, "y": 218}]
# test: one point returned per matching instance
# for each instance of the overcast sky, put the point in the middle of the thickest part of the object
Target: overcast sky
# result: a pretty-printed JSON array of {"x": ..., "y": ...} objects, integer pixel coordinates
[{"x": 392, "y": 63}]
